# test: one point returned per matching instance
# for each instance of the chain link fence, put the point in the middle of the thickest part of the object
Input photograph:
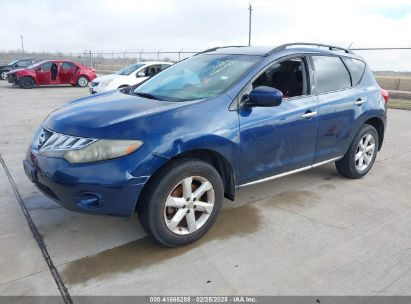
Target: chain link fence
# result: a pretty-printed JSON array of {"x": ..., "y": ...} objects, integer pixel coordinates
[{"x": 103, "y": 62}]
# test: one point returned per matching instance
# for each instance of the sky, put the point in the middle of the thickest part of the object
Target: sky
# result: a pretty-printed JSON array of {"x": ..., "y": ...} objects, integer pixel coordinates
[{"x": 134, "y": 25}]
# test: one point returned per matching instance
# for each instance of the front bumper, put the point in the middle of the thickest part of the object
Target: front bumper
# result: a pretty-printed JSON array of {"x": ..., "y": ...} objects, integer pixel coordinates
[
  {"x": 101, "y": 188},
  {"x": 98, "y": 89}
]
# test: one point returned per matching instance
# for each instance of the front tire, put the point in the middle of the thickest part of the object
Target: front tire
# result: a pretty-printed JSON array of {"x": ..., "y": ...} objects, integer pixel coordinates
[
  {"x": 182, "y": 202},
  {"x": 361, "y": 154},
  {"x": 27, "y": 83},
  {"x": 82, "y": 81},
  {"x": 3, "y": 75}
]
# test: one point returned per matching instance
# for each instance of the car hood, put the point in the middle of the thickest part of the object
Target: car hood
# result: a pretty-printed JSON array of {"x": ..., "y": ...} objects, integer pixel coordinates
[
  {"x": 18, "y": 70},
  {"x": 111, "y": 115},
  {"x": 107, "y": 77}
]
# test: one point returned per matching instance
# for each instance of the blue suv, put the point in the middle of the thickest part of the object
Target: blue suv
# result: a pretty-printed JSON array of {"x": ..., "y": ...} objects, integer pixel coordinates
[{"x": 173, "y": 147}]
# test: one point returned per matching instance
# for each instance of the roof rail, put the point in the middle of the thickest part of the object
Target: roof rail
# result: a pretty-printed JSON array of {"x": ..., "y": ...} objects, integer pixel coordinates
[
  {"x": 330, "y": 47},
  {"x": 217, "y": 48}
]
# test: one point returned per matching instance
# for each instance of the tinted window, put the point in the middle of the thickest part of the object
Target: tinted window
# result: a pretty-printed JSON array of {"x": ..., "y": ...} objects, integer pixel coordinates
[
  {"x": 286, "y": 76},
  {"x": 46, "y": 66},
  {"x": 357, "y": 68},
  {"x": 67, "y": 65},
  {"x": 152, "y": 70},
  {"x": 330, "y": 74}
]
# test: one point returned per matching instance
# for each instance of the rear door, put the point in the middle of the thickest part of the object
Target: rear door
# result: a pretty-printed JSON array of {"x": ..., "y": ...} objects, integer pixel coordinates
[
  {"x": 67, "y": 71},
  {"x": 339, "y": 106}
]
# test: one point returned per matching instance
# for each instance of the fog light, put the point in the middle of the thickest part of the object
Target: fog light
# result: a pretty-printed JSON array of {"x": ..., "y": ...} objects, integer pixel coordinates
[{"x": 89, "y": 201}]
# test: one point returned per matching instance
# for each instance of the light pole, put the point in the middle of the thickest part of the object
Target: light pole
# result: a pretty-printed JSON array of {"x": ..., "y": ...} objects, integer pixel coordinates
[
  {"x": 249, "y": 24},
  {"x": 22, "y": 46}
]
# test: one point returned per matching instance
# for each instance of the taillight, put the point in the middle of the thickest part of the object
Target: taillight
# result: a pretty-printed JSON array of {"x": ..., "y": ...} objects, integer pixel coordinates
[{"x": 384, "y": 94}]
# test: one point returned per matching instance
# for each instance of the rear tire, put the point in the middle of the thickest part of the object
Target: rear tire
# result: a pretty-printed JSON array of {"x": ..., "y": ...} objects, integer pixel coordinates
[
  {"x": 27, "y": 83},
  {"x": 82, "y": 81},
  {"x": 361, "y": 154},
  {"x": 172, "y": 211}
]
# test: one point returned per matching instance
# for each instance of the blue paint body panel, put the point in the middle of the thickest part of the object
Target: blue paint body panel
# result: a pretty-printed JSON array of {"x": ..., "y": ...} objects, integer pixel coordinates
[{"x": 256, "y": 142}]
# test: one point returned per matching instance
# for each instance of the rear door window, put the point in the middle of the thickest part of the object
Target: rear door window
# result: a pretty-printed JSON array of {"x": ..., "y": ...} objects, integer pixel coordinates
[
  {"x": 330, "y": 74},
  {"x": 67, "y": 65},
  {"x": 357, "y": 68}
]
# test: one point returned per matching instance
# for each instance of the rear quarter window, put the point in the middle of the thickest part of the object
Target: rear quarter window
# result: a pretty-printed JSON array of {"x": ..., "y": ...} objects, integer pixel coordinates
[
  {"x": 357, "y": 68},
  {"x": 330, "y": 74}
]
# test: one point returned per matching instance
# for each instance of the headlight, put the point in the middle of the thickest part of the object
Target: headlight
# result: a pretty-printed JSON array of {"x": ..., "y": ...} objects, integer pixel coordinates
[{"x": 102, "y": 149}]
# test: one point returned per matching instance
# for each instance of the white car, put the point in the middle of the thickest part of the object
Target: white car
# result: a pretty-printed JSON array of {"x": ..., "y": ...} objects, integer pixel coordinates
[{"x": 131, "y": 75}]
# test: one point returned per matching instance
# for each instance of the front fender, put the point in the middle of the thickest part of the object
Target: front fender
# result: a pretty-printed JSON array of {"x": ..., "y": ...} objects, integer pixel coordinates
[{"x": 153, "y": 161}]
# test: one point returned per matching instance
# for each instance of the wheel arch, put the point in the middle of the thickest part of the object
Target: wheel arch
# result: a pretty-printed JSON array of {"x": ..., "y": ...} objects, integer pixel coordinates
[
  {"x": 215, "y": 159},
  {"x": 378, "y": 124}
]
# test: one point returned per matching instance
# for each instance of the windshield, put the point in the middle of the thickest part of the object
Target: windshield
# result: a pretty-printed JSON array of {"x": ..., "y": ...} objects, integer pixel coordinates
[
  {"x": 130, "y": 69},
  {"x": 13, "y": 62},
  {"x": 198, "y": 77}
]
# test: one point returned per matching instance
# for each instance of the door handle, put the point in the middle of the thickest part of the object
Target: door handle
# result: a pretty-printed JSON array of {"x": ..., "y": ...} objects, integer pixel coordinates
[
  {"x": 309, "y": 114},
  {"x": 360, "y": 101}
]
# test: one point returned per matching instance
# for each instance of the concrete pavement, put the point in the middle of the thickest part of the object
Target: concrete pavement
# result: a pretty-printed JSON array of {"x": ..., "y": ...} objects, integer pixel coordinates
[{"x": 313, "y": 233}]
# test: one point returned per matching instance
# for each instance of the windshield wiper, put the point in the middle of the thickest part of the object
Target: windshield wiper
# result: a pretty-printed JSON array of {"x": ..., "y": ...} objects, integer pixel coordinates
[{"x": 146, "y": 95}]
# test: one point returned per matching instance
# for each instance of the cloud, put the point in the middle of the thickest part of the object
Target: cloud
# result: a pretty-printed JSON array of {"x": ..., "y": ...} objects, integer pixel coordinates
[{"x": 107, "y": 25}]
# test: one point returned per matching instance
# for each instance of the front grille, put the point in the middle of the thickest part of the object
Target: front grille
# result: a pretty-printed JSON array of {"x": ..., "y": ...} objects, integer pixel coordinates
[
  {"x": 56, "y": 141},
  {"x": 11, "y": 77},
  {"x": 94, "y": 84}
]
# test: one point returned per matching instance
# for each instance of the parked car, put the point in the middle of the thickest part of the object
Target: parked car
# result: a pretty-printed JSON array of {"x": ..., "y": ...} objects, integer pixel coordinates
[
  {"x": 52, "y": 72},
  {"x": 230, "y": 117},
  {"x": 131, "y": 75},
  {"x": 16, "y": 64}
]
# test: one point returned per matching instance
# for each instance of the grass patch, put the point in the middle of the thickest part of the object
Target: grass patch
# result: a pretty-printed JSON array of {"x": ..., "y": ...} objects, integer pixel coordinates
[{"x": 401, "y": 104}]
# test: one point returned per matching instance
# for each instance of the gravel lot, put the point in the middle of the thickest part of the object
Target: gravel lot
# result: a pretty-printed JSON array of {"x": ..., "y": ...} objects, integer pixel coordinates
[{"x": 313, "y": 233}]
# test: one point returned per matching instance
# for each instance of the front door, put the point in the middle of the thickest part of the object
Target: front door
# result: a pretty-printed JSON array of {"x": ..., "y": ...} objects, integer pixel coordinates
[
  {"x": 43, "y": 73},
  {"x": 276, "y": 140}
]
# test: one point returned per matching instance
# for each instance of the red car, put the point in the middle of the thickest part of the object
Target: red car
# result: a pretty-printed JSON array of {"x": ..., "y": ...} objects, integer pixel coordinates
[{"x": 52, "y": 72}]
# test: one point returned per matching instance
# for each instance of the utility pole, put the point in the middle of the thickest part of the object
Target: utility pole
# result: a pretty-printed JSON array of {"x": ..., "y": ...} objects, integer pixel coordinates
[
  {"x": 22, "y": 46},
  {"x": 249, "y": 24}
]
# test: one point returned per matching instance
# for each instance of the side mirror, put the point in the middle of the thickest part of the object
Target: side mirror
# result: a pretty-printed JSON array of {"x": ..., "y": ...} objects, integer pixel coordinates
[
  {"x": 141, "y": 74},
  {"x": 38, "y": 69},
  {"x": 264, "y": 97}
]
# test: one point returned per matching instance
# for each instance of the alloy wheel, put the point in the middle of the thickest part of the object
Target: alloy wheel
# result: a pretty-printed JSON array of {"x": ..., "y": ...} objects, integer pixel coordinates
[
  {"x": 365, "y": 152},
  {"x": 82, "y": 81},
  {"x": 189, "y": 205}
]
